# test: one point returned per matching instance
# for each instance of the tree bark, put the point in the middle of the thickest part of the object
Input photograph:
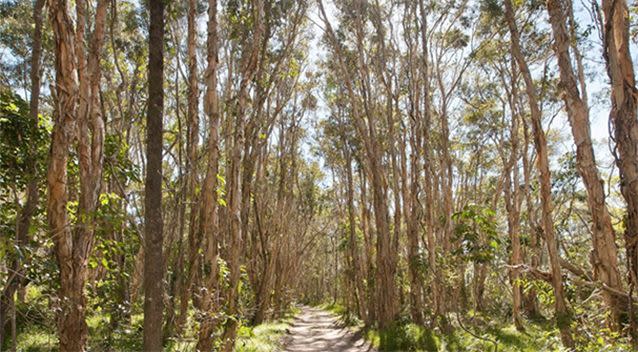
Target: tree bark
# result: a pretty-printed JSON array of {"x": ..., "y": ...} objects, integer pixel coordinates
[
  {"x": 357, "y": 279},
  {"x": 184, "y": 285},
  {"x": 153, "y": 230},
  {"x": 81, "y": 118},
  {"x": 562, "y": 313},
  {"x": 249, "y": 64},
  {"x": 209, "y": 208},
  {"x": 604, "y": 256},
  {"x": 624, "y": 121},
  {"x": 512, "y": 205}
]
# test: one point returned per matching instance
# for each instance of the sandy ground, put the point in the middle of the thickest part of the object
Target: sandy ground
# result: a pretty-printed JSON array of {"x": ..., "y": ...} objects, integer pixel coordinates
[{"x": 317, "y": 330}]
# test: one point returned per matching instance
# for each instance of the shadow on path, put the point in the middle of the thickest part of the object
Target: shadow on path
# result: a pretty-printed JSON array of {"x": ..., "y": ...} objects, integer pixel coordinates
[{"x": 317, "y": 330}]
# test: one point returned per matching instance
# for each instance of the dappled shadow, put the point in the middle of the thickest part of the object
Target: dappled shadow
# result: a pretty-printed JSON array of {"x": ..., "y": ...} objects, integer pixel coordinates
[{"x": 318, "y": 330}]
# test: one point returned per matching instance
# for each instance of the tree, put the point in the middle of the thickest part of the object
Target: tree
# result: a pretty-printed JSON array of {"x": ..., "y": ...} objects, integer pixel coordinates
[
  {"x": 209, "y": 208},
  {"x": 604, "y": 255},
  {"x": 185, "y": 283},
  {"x": 540, "y": 142},
  {"x": 77, "y": 115},
  {"x": 386, "y": 312},
  {"x": 624, "y": 121},
  {"x": 153, "y": 229}
]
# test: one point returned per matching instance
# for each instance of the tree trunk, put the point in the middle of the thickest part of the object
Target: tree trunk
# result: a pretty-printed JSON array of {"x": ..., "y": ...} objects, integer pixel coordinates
[
  {"x": 183, "y": 284},
  {"x": 513, "y": 203},
  {"x": 625, "y": 125},
  {"x": 209, "y": 208},
  {"x": 368, "y": 241},
  {"x": 358, "y": 288},
  {"x": 530, "y": 299},
  {"x": 563, "y": 318},
  {"x": 73, "y": 246},
  {"x": 604, "y": 254},
  {"x": 385, "y": 288},
  {"x": 153, "y": 230},
  {"x": 250, "y": 60}
]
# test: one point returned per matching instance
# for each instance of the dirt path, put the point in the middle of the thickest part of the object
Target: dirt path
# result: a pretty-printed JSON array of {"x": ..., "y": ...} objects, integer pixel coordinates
[{"x": 317, "y": 330}]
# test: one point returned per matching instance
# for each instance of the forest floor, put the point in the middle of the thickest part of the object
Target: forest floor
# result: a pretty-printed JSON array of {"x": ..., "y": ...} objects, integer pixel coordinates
[{"x": 315, "y": 329}]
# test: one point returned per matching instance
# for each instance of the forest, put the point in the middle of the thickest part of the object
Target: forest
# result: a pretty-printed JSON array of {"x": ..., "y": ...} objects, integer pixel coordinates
[{"x": 318, "y": 175}]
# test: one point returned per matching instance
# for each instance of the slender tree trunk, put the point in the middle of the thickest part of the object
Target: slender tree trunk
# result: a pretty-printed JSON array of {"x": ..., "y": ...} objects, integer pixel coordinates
[
  {"x": 563, "y": 318},
  {"x": 531, "y": 297},
  {"x": 183, "y": 284},
  {"x": 385, "y": 288},
  {"x": 604, "y": 254},
  {"x": 250, "y": 61},
  {"x": 358, "y": 289},
  {"x": 624, "y": 120},
  {"x": 153, "y": 230},
  {"x": 512, "y": 201},
  {"x": 209, "y": 208},
  {"x": 72, "y": 337},
  {"x": 428, "y": 177},
  {"x": 512, "y": 205},
  {"x": 73, "y": 246},
  {"x": 368, "y": 241}
]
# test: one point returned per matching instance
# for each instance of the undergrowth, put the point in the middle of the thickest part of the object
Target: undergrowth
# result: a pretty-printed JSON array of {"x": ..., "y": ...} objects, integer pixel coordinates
[{"x": 489, "y": 336}]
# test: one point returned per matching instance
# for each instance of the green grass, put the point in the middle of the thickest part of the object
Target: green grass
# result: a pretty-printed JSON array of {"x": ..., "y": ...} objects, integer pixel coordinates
[
  {"x": 408, "y": 337},
  {"x": 37, "y": 339},
  {"x": 262, "y": 338},
  {"x": 265, "y": 337},
  {"x": 503, "y": 338},
  {"x": 405, "y": 336},
  {"x": 335, "y": 308},
  {"x": 347, "y": 318},
  {"x": 411, "y": 337}
]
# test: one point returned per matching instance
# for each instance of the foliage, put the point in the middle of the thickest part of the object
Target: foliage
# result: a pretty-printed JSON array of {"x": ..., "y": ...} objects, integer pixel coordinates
[
  {"x": 475, "y": 230},
  {"x": 22, "y": 143}
]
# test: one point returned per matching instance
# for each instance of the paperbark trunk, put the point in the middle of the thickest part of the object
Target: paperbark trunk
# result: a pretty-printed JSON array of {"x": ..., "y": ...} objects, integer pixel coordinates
[
  {"x": 540, "y": 142},
  {"x": 624, "y": 120},
  {"x": 604, "y": 254}
]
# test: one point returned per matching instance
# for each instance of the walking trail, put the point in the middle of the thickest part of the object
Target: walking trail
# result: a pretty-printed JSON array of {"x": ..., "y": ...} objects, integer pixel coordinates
[{"x": 317, "y": 330}]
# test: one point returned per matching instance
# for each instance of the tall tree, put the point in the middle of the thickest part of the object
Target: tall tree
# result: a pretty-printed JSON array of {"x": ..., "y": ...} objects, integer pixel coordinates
[
  {"x": 544, "y": 178},
  {"x": 365, "y": 125},
  {"x": 81, "y": 120},
  {"x": 249, "y": 63},
  {"x": 153, "y": 229},
  {"x": 209, "y": 207},
  {"x": 191, "y": 164},
  {"x": 624, "y": 120},
  {"x": 604, "y": 255}
]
